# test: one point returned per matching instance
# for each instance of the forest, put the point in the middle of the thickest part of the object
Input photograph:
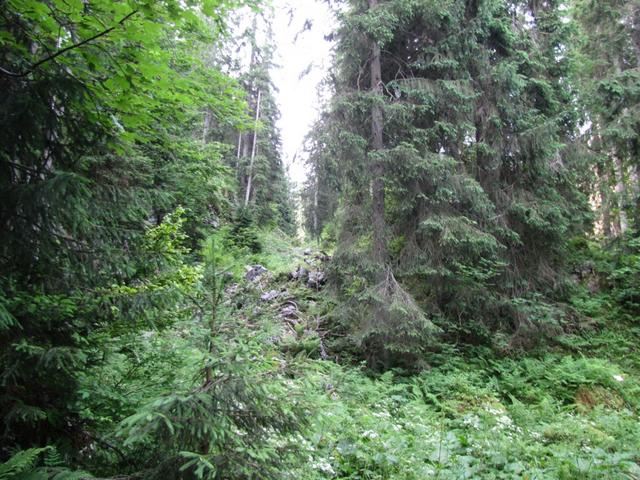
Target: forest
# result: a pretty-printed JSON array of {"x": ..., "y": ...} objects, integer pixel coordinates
[{"x": 453, "y": 291}]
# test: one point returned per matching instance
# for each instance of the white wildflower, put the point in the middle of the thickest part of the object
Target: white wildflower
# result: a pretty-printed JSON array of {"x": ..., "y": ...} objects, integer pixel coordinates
[
  {"x": 472, "y": 420},
  {"x": 504, "y": 421},
  {"x": 369, "y": 434},
  {"x": 323, "y": 466},
  {"x": 618, "y": 378},
  {"x": 382, "y": 414},
  {"x": 493, "y": 410}
]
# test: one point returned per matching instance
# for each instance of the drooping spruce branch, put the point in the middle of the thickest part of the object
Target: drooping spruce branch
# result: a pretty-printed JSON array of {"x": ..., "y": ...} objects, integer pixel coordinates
[{"x": 66, "y": 49}]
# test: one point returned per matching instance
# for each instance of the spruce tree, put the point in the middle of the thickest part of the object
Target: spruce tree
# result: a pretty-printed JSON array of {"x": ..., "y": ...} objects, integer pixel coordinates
[
  {"x": 607, "y": 76},
  {"x": 262, "y": 184},
  {"x": 477, "y": 172},
  {"x": 97, "y": 97}
]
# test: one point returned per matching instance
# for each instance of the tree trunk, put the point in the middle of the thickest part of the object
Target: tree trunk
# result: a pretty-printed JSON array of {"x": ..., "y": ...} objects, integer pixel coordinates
[
  {"x": 206, "y": 125},
  {"x": 315, "y": 202},
  {"x": 635, "y": 188},
  {"x": 239, "y": 150},
  {"x": 253, "y": 151},
  {"x": 605, "y": 206},
  {"x": 618, "y": 166},
  {"x": 247, "y": 179},
  {"x": 377, "y": 190},
  {"x": 621, "y": 192},
  {"x": 215, "y": 300},
  {"x": 634, "y": 177},
  {"x": 604, "y": 188},
  {"x": 242, "y": 168},
  {"x": 246, "y": 146},
  {"x": 634, "y": 21}
]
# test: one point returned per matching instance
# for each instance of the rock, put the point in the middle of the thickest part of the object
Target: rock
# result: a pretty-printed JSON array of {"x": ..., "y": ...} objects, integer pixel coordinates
[
  {"x": 323, "y": 257},
  {"x": 307, "y": 251},
  {"x": 232, "y": 289},
  {"x": 289, "y": 311},
  {"x": 212, "y": 220},
  {"x": 323, "y": 351},
  {"x": 270, "y": 295},
  {"x": 254, "y": 272},
  {"x": 316, "y": 279},
  {"x": 299, "y": 273}
]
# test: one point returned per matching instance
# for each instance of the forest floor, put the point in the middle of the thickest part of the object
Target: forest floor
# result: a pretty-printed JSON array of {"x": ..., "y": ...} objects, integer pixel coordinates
[{"x": 568, "y": 412}]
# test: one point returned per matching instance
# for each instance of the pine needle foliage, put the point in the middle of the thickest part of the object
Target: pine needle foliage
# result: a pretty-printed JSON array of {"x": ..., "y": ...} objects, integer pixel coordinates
[
  {"x": 477, "y": 162},
  {"x": 389, "y": 323},
  {"x": 98, "y": 107}
]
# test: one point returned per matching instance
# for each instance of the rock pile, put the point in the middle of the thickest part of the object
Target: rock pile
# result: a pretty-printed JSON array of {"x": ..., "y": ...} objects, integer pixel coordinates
[{"x": 254, "y": 272}]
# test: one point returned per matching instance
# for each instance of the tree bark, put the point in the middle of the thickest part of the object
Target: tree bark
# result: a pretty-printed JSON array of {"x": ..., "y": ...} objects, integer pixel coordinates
[
  {"x": 377, "y": 190},
  {"x": 618, "y": 166},
  {"x": 605, "y": 207},
  {"x": 253, "y": 151},
  {"x": 206, "y": 125},
  {"x": 635, "y": 188},
  {"x": 621, "y": 192},
  {"x": 604, "y": 184},
  {"x": 634, "y": 177},
  {"x": 315, "y": 201},
  {"x": 239, "y": 148},
  {"x": 634, "y": 22},
  {"x": 237, "y": 170}
]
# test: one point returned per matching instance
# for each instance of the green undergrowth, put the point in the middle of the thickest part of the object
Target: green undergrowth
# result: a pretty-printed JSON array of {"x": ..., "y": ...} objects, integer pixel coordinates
[
  {"x": 469, "y": 421},
  {"x": 565, "y": 417},
  {"x": 558, "y": 416},
  {"x": 274, "y": 251},
  {"x": 567, "y": 412}
]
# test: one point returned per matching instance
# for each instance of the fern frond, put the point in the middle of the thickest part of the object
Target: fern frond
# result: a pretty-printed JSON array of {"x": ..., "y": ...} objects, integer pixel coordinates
[{"x": 21, "y": 462}]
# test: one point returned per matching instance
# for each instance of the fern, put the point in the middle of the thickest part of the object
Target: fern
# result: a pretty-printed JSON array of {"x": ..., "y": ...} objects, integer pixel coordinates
[
  {"x": 53, "y": 458},
  {"x": 21, "y": 462}
]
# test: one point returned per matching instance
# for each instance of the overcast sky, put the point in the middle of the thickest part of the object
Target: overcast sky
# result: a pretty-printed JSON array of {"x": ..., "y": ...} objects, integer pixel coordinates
[{"x": 297, "y": 50}]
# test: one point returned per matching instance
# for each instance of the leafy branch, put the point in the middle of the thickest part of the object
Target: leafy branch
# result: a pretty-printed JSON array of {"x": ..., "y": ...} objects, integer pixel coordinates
[{"x": 66, "y": 49}]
